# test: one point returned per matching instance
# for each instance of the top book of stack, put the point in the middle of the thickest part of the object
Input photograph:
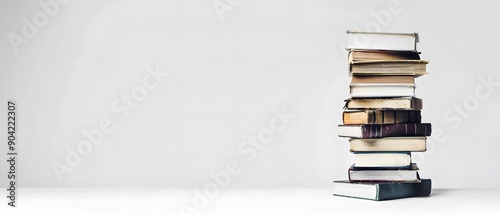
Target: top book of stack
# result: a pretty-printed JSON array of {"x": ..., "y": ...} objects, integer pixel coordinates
[
  {"x": 382, "y": 41},
  {"x": 377, "y": 53}
]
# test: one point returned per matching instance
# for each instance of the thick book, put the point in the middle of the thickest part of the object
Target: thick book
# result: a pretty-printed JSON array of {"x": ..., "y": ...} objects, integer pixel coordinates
[
  {"x": 388, "y": 144},
  {"x": 363, "y": 117},
  {"x": 385, "y": 130},
  {"x": 382, "y": 159},
  {"x": 381, "y": 90},
  {"x": 401, "y": 103},
  {"x": 373, "y": 55},
  {"x": 383, "y": 79},
  {"x": 382, "y": 41},
  {"x": 382, "y": 191},
  {"x": 410, "y": 174},
  {"x": 392, "y": 67}
]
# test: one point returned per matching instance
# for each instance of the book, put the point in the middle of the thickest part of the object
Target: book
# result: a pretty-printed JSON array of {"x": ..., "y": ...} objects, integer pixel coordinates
[
  {"x": 388, "y": 144},
  {"x": 382, "y": 41},
  {"x": 389, "y": 67},
  {"x": 383, "y": 79},
  {"x": 359, "y": 117},
  {"x": 385, "y": 130},
  {"x": 371, "y": 55},
  {"x": 382, "y": 90},
  {"x": 382, "y": 191},
  {"x": 403, "y": 103},
  {"x": 382, "y": 159},
  {"x": 410, "y": 174}
]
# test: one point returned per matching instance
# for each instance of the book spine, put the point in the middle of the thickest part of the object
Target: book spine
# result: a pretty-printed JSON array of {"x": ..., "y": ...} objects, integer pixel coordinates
[
  {"x": 396, "y": 130},
  {"x": 416, "y": 104}
]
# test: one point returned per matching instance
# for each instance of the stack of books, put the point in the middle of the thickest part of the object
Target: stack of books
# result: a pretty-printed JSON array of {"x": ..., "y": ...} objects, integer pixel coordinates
[{"x": 382, "y": 117}]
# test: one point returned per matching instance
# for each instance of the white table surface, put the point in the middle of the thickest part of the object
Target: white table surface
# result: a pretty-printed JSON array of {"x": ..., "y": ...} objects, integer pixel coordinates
[{"x": 243, "y": 201}]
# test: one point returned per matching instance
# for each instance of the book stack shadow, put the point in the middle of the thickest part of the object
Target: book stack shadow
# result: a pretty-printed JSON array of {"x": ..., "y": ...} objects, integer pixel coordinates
[{"x": 382, "y": 118}]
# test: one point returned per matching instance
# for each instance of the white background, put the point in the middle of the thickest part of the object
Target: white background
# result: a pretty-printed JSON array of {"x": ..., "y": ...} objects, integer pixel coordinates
[{"x": 226, "y": 77}]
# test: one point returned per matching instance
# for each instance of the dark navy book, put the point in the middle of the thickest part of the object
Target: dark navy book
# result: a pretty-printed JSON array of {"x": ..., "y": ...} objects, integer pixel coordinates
[{"x": 382, "y": 191}]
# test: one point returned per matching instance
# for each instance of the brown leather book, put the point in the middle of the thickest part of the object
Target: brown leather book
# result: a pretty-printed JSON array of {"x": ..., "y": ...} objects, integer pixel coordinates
[{"x": 381, "y": 117}]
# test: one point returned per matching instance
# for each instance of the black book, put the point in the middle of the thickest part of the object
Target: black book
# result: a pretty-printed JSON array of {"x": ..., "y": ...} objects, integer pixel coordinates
[
  {"x": 385, "y": 130},
  {"x": 382, "y": 191}
]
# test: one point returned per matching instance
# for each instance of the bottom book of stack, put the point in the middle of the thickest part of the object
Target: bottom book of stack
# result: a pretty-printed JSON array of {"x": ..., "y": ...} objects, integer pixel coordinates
[{"x": 382, "y": 191}]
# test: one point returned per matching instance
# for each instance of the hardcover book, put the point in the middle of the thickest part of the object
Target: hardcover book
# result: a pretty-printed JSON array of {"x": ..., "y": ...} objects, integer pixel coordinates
[
  {"x": 402, "y": 103},
  {"x": 410, "y": 174},
  {"x": 370, "y": 55},
  {"x": 385, "y": 130},
  {"x": 381, "y": 117},
  {"x": 382, "y": 191},
  {"x": 388, "y": 144},
  {"x": 382, "y": 41},
  {"x": 383, "y": 79},
  {"x": 381, "y": 90},
  {"x": 382, "y": 159},
  {"x": 393, "y": 67}
]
